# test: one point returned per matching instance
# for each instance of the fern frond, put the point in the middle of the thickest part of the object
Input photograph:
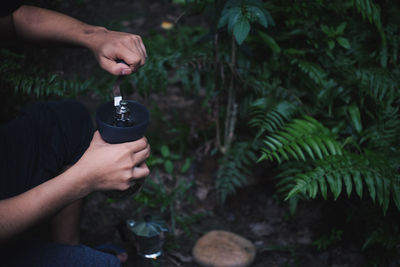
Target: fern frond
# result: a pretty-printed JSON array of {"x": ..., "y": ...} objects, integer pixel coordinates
[
  {"x": 379, "y": 84},
  {"x": 313, "y": 70},
  {"x": 368, "y": 10},
  {"x": 372, "y": 13},
  {"x": 234, "y": 167},
  {"x": 36, "y": 82},
  {"x": 350, "y": 172},
  {"x": 299, "y": 139},
  {"x": 269, "y": 115},
  {"x": 383, "y": 132}
]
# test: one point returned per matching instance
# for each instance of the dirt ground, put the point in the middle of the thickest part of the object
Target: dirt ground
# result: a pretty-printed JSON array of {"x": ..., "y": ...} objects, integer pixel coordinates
[{"x": 254, "y": 213}]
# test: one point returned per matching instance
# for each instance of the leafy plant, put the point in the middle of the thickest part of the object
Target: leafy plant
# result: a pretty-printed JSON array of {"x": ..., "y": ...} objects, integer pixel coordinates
[
  {"x": 156, "y": 195},
  {"x": 167, "y": 160},
  {"x": 328, "y": 240},
  {"x": 234, "y": 168},
  {"x": 33, "y": 81},
  {"x": 238, "y": 15}
]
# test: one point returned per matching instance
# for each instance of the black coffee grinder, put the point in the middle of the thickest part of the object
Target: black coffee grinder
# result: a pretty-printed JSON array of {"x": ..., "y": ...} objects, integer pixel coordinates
[{"x": 122, "y": 121}]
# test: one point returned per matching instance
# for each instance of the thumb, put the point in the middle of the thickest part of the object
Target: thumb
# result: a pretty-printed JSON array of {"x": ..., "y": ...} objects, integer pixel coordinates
[
  {"x": 97, "y": 138},
  {"x": 113, "y": 67}
]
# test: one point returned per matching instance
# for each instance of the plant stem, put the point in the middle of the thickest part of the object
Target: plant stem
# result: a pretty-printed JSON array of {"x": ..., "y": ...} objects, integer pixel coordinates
[
  {"x": 217, "y": 122},
  {"x": 230, "y": 112}
]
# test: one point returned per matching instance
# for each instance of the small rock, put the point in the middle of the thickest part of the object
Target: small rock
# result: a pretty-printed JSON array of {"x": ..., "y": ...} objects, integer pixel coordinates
[
  {"x": 223, "y": 249},
  {"x": 261, "y": 229}
]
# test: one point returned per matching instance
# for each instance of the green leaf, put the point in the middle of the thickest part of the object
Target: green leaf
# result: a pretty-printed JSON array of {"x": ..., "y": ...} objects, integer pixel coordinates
[
  {"x": 307, "y": 149},
  {"x": 165, "y": 151},
  {"x": 270, "y": 42},
  {"x": 298, "y": 150},
  {"x": 186, "y": 165},
  {"x": 313, "y": 188},
  {"x": 168, "y": 166},
  {"x": 331, "y": 44},
  {"x": 323, "y": 187},
  {"x": 259, "y": 14},
  {"x": 274, "y": 139},
  {"x": 333, "y": 184},
  {"x": 358, "y": 183},
  {"x": 386, "y": 197},
  {"x": 396, "y": 195},
  {"x": 369, "y": 180},
  {"x": 326, "y": 30},
  {"x": 355, "y": 117},
  {"x": 338, "y": 184},
  {"x": 379, "y": 190},
  {"x": 234, "y": 15},
  {"x": 340, "y": 28},
  {"x": 224, "y": 19},
  {"x": 343, "y": 42},
  {"x": 241, "y": 29},
  {"x": 348, "y": 183}
]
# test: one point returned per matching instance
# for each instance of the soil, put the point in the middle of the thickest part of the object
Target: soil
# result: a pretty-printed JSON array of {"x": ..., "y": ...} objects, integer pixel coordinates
[{"x": 254, "y": 212}]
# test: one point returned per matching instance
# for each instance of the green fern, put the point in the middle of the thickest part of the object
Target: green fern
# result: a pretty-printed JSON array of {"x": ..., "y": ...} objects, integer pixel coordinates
[
  {"x": 383, "y": 133},
  {"x": 379, "y": 84},
  {"x": 234, "y": 167},
  {"x": 350, "y": 172},
  {"x": 368, "y": 10},
  {"x": 299, "y": 139},
  {"x": 372, "y": 13},
  {"x": 389, "y": 238},
  {"x": 34, "y": 81},
  {"x": 313, "y": 70},
  {"x": 270, "y": 115}
]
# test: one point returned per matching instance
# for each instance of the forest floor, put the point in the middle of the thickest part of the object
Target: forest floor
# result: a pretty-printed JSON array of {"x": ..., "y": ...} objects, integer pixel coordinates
[{"x": 255, "y": 212}]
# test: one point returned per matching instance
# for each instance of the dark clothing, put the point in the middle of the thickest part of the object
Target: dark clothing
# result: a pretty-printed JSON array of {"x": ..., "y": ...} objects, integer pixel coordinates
[
  {"x": 36, "y": 253},
  {"x": 34, "y": 148},
  {"x": 40, "y": 143},
  {"x": 7, "y": 7}
]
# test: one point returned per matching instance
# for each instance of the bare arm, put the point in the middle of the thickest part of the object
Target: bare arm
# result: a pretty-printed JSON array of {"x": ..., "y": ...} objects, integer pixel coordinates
[
  {"x": 102, "y": 167},
  {"x": 36, "y": 24}
]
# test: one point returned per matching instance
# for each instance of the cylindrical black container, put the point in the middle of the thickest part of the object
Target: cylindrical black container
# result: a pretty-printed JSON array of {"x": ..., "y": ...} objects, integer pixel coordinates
[{"x": 114, "y": 134}]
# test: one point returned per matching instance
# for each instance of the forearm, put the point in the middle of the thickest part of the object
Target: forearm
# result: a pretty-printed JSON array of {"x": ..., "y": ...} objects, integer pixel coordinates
[
  {"x": 41, "y": 25},
  {"x": 22, "y": 211}
]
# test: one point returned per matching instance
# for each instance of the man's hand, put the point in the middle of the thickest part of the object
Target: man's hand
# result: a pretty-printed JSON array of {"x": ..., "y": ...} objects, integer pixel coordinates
[
  {"x": 36, "y": 24},
  {"x": 109, "y": 46},
  {"x": 113, "y": 166}
]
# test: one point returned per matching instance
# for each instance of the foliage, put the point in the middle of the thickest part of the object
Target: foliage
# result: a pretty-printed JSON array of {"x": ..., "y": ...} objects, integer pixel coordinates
[
  {"x": 237, "y": 15},
  {"x": 344, "y": 139},
  {"x": 34, "y": 81},
  {"x": 298, "y": 139},
  {"x": 167, "y": 159},
  {"x": 328, "y": 240},
  {"x": 234, "y": 167},
  {"x": 156, "y": 195},
  {"x": 183, "y": 61}
]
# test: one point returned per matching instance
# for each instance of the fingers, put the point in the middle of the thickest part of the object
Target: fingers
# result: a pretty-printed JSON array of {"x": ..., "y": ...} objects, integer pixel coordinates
[
  {"x": 133, "y": 53},
  {"x": 140, "y": 171},
  {"x": 126, "y": 47},
  {"x": 138, "y": 145},
  {"x": 114, "y": 68},
  {"x": 140, "y": 156}
]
